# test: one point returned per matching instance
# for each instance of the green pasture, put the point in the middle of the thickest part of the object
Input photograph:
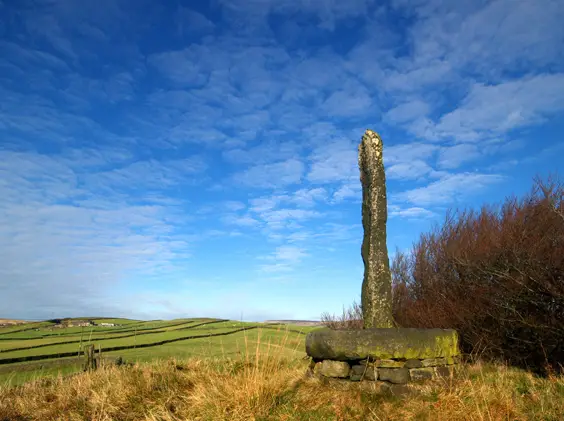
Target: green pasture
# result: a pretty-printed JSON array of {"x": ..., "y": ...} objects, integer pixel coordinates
[
  {"x": 89, "y": 335},
  {"x": 108, "y": 342},
  {"x": 289, "y": 344},
  {"x": 70, "y": 333},
  {"x": 285, "y": 340},
  {"x": 24, "y": 326}
]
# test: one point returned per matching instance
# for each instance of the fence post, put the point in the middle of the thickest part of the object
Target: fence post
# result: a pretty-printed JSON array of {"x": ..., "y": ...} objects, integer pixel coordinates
[{"x": 89, "y": 359}]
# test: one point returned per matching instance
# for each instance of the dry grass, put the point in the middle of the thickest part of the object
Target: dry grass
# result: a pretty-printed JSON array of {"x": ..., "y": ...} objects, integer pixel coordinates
[{"x": 264, "y": 384}]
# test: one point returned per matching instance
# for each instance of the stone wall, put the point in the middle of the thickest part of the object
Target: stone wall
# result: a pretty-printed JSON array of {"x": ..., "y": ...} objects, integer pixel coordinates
[{"x": 394, "y": 375}]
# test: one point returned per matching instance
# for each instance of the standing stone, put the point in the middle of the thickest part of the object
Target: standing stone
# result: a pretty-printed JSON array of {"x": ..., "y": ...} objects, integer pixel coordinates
[{"x": 376, "y": 295}]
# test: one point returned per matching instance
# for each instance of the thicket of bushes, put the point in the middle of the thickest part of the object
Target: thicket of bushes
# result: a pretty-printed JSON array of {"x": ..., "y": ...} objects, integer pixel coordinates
[{"x": 496, "y": 276}]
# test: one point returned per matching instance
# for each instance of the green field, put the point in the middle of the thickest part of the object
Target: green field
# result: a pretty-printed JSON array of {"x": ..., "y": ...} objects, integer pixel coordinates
[{"x": 38, "y": 349}]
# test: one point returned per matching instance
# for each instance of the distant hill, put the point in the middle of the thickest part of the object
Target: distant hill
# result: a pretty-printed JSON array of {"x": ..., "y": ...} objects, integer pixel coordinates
[{"x": 296, "y": 322}]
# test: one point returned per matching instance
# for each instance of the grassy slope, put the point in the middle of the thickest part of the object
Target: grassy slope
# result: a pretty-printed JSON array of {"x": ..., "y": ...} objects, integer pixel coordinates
[
  {"x": 268, "y": 385},
  {"x": 221, "y": 346},
  {"x": 49, "y": 332},
  {"x": 31, "y": 339},
  {"x": 205, "y": 347},
  {"x": 108, "y": 343}
]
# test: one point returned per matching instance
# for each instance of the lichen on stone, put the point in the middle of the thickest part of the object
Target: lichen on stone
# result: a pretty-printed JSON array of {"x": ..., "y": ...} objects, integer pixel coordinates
[{"x": 376, "y": 294}]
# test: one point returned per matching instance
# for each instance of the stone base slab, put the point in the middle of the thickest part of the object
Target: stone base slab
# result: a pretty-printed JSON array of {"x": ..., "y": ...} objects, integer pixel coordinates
[{"x": 434, "y": 346}]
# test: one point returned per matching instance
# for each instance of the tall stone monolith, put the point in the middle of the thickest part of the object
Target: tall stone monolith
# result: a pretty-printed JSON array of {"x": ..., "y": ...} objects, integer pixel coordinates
[{"x": 376, "y": 295}]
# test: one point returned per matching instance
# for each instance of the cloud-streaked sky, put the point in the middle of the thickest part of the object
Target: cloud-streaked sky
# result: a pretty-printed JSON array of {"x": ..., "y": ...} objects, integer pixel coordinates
[{"x": 191, "y": 158}]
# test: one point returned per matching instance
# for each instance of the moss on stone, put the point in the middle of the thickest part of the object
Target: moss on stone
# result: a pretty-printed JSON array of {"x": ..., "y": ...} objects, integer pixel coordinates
[{"x": 383, "y": 343}]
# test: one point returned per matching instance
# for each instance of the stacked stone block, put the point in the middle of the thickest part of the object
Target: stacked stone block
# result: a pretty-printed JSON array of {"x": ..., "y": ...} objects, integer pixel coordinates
[
  {"x": 388, "y": 358},
  {"x": 393, "y": 371}
]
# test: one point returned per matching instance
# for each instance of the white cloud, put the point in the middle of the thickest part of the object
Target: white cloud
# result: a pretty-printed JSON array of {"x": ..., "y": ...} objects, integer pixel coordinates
[
  {"x": 150, "y": 174},
  {"x": 189, "y": 21},
  {"x": 408, "y": 170},
  {"x": 234, "y": 205},
  {"x": 327, "y": 11},
  {"x": 187, "y": 67},
  {"x": 242, "y": 221},
  {"x": 449, "y": 188},
  {"x": 348, "y": 191},
  {"x": 269, "y": 150},
  {"x": 409, "y": 213},
  {"x": 308, "y": 197},
  {"x": 283, "y": 259},
  {"x": 407, "y": 111},
  {"x": 452, "y": 157},
  {"x": 66, "y": 247},
  {"x": 352, "y": 100},
  {"x": 490, "y": 109},
  {"x": 284, "y": 218},
  {"x": 334, "y": 162},
  {"x": 279, "y": 174}
]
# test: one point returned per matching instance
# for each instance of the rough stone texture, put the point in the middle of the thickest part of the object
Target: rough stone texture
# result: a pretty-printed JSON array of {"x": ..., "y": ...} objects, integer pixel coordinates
[
  {"x": 376, "y": 297},
  {"x": 394, "y": 375},
  {"x": 413, "y": 363},
  {"x": 357, "y": 372},
  {"x": 454, "y": 360},
  {"x": 317, "y": 368},
  {"x": 371, "y": 373},
  {"x": 444, "y": 372},
  {"x": 389, "y": 363},
  {"x": 420, "y": 374},
  {"x": 346, "y": 345},
  {"x": 335, "y": 369},
  {"x": 433, "y": 362},
  {"x": 399, "y": 390}
]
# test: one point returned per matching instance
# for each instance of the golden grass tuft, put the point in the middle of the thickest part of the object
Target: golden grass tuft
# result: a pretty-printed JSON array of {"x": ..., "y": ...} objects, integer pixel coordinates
[{"x": 265, "y": 383}]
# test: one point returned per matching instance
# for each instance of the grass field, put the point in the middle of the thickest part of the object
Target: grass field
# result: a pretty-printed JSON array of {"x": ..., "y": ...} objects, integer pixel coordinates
[
  {"x": 259, "y": 375},
  {"x": 252, "y": 374},
  {"x": 38, "y": 350}
]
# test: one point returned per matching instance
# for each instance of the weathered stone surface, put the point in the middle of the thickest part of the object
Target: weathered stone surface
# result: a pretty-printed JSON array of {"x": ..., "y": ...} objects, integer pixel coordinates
[
  {"x": 457, "y": 359},
  {"x": 338, "y": 369},
  {"x": 317, "y": 368},
  {"x": 420, "y": 374},
  {"x": 413, "y": 363},
  {"x": 389, "y": 363},
  {"x": 444, "y": 372},
  {"x": 344, "y": 345},
  {"x": 371, "y": 373},
  {"x": 357, "y": 372},
  {"x": 394, "y": 375},
  {"x": 398, "y": 390},
  {"x": 433, "y": 362},
  {"x": 376, "y": 294}
]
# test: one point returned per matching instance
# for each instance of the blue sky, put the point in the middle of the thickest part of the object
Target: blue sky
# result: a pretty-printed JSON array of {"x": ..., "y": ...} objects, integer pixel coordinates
[{"x": 189, "y": 158}]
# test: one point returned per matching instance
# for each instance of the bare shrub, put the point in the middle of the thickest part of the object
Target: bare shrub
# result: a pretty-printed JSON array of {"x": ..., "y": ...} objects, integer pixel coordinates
[
  {"x": 350, "y": 319},
  {"x": 497, "y": 276}
]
